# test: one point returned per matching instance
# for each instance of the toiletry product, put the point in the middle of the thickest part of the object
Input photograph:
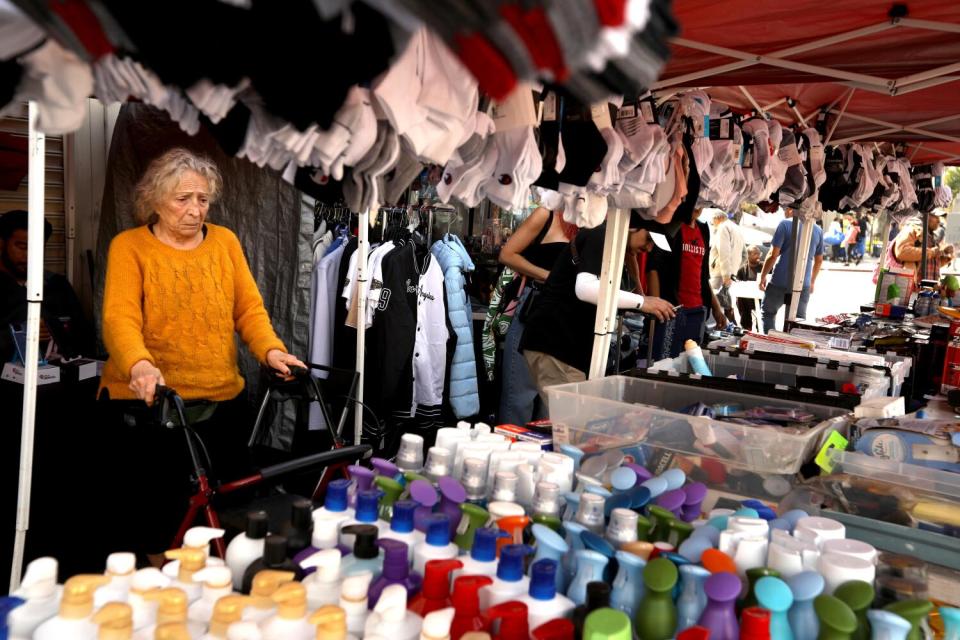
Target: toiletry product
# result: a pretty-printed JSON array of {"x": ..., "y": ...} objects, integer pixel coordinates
[
  {"x": 598, "y": 597},
  {"x": 452, "y": 495},
  {"x": 226, "y": 611},
  {"x": 590, "y": 512},
  {"x": 837, "y": 569},
  {"x": 474, "y": 480},
  {"x": 401, "y": 526},
  {"x": 290, "y": 621},
  {"x": 247, "y": 547},
  {"x": 546, "y": 499},
  {"x": 951, "y": 623},
  {"x": 695, "y": 358},
  {"x": 607, "y": 624},
  {"x": 505, "y": 487},
  {"x": 8, "y": 604},
  {"x": 837, "y": 621},
  {"x": 551, "y": 545},
  {"x": 436, "y": 625},
  {"x": 367, "y": 513},
  {"x": 331, "y": 623},
  {"x": 657, "y": 615},
  {"x": 299, "y": 531},
  {"x": 473, "y": 517},
  {"x": 144, "y": 581},
  {"x": 391, "y": 619},
  {"x": 410, "y": 454},
  {"x": 435, "y": 594},
  {"x": 396, "y": 570},
  {"x": 774, "y": 595},
  {"x": 172, "y": 608},
  {"x": 120, "y": 569},
  {"x": 366, "y": 554},
  {"x": 74, "y": 619},
  {"x": 692, "y": 599},
  {"x": 482, "y": 560},
  {"x": 753, "y": 575},
  {"x": 623, "y": 527},
  {"x": 391, "y": 491},
  {"x": 509, "y": 583},
  {"x": 466, "y": 605},
  {"x": 353, "y": 600},
  {"x": 439, "y": 463},
  {"x": 361, "y": 479},
  {"x": 323, "y": 585},
  {"x": 261, "y": 606},
  {"x": 191, "y": 560},
  {"x": 114, "y": 621},
  {"x": 196, "y": 538},
  {"x": 274, "y": 558},
  {"x": 755, "y": 624},
  {"x": 806, "y": 586},
  {"x": 575, "y": 543},
  {"x": 336, "y": 505},
  {"x": 41, "y": 595},
  {"x": 437, "y": 545},
  {"x": 542, "y": 600},
  {"x": 913, "y": 611},
  {"x": 590, "y": 568},
  {"x": 720, "y": 614},
  {"x": 216, "y": 583},
  {"x": 858, "y": 595},
  {"x": 885, "y": 625},
  {"x": 514, "y": 526}
]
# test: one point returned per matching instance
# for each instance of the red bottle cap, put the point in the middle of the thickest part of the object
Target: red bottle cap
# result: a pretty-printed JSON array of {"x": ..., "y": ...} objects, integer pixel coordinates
[
  {"x": 694, "y": 633},
  {"x": 466, "y": 603},
  {"x": 660, "y": 547},
  {"x": 755, "y": 624},
  {"x": 513, "y": 620},
  {"x": 716, "y": 561},
  {"x": 558, "y": 629},
  {"x": 435, "y": 594}
]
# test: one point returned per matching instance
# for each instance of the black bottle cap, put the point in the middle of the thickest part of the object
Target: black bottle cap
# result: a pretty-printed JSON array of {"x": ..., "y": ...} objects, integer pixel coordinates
[
  {"x": 598, "y": 595},
  {"x": 302, "y": 515},
  {"x": 275, "y": 551},
  {"x": 257, "y": 525},
  {"x": 365, "y": 544}
]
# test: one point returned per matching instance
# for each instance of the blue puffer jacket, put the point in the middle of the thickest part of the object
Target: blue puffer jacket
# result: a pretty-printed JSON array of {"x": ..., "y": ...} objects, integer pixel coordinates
[{"x": 455, "y": 262}]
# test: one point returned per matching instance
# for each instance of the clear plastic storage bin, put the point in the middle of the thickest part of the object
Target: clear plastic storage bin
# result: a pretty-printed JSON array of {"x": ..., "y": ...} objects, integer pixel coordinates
[{"x": 621, "y": 411}]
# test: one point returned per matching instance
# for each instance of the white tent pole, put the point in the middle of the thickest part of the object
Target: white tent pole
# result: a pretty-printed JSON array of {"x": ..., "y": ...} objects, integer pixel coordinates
[
  {"x": 926, "y": 84},
  {"x": 614, "y": 247},
  {"x": 927, "y": 75},
  {"x": 363, "y": 229},
  {"x": 749, "y": 96},
  {"x": 930, "y": 25},
  {"x": 35, "y": 238},
  {"x": 843, "y": 109},
  {"x": 801, "y": 252}
]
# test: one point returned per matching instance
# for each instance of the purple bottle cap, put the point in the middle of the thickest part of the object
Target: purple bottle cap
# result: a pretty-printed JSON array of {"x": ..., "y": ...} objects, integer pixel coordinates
[
  {"x": 722, "y": 587},
  {"x": 672, "y": 500},
  {"x": 362, "y": 476},
  {"x": 424, "y": 493},
  {"x": 384, "y": 467},
  {"x": 452, "y": 489},
  {"x": 642, "y": 473},
  {"x": 395, "y": 563},
  {"x": 696, "y": 492}
]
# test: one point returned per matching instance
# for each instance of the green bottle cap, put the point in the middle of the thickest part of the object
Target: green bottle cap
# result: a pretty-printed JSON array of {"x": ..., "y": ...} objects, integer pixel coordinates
[
  {"x": 549, "y": 521},
  {"x": 661, "y": 518},
  {"x": 390, "y": 487},
  {"x": 679, "y": 531},
  {"x": 643, "y": 528},
  {"x": 476, "y": 516},
  {"x": 607, "y": 624},
  {"x": 410, "y": 476},
  {"x": 660, "y": 575},
  {"x": 835, "y": 614},
  {"x": 856, "y": 593}
]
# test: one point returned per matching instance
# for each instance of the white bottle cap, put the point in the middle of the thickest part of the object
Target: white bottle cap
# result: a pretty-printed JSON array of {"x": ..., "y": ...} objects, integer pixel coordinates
[
  {"x": 439, "y": 463},
  {"x": 503, "y": 509},
  {"x": 751, "y": 553},
  {"x": 788, "y": 562},
  {"x": 623, "y": 526},
  {"x": 410, "y": 454},
  {"x": 494, "y": 438},
  {"x": 40, "y": 580},
  {"x": 392, "y": 598},
  {"x": 546, "y": 499},
  {"x": 590, "y": 511},
  {"x": 326, "y": 562},
  {"x": 482, "y": 428},
  {"x": 325, "y": 531},
  {"x": 215, "y": 577},
  {"x": 526, "y": 483},
  {"x": 523, "y": 445},
  {"x": 463, "y": 425},
  {"x": 855, "y": 548},
  {"x": 121, "y": 563},
  {"x": 436, "y": 625},
  {"x": 753, "y": 527},
  {"x": 149, "y": 578},
  {"x": 450, "y": 438},
  {"x": 200, "y": 537},
  {"x": 505, "y": 486},
  {"x": 818, "y": 530},
  {"x": 837, "y": 569},
  {"x": 244, "y": 631},
  {"x": 474, "y": 478},
  {"x": 355, "y": 587}
]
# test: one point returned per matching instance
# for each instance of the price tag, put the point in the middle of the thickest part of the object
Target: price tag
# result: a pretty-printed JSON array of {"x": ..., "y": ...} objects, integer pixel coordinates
[
  {"x": 627, "y": 111},
  {"x": 834, "y": 441},
  {"x": 516, "y": 111},
  {"x": 600, "y": 113},
  {"x": 646, "y": 107},
  {"x": 550, "y": 107}
]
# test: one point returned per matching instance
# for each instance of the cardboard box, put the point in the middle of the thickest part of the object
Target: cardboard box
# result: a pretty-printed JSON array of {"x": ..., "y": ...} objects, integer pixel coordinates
[
  {"x": 523, "y": 434},
  {"x": 46, "y": 374}
]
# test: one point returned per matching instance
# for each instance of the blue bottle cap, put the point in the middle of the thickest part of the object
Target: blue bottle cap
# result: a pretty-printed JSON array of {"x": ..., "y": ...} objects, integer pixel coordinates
[
  {"x": 543, "y": 584},
  {"x": 597, "y": 543},
  {"x": 656, "y": 486},
  {"x": 709, "y": 532},
  {"x": 510, "y": 567},
  {"x": 485, "y": 544},
  {"x": 438, "y": 530},
  {"x": 693, "y": 547},
  {"x": 337, "y": 495},
  {"x": 600, "y": 491},
  {"x": 547, "y": 537},
  {"x": 368, "y": 504},
  {"x": 793, "y": 516},
  {"x": 779, "y": 523},
  {"x": 617, "y": 501},
  {"x": 746, "y": 512},
  {"x": 640, "y": 496},
  {"x": 675, "y": 558},
  {"x": 806, "y": 585},
  {"x": 402, "y": 520},
  {"x": 674, "y": 477},
  {"x": 573, "y": 531},
  {"x": 753, "y": 504},
  {"x": 623, "y": 478}
]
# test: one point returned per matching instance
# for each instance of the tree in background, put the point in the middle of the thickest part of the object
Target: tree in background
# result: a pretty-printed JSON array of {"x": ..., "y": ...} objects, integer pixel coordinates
[{"x": 952, "y": 178}]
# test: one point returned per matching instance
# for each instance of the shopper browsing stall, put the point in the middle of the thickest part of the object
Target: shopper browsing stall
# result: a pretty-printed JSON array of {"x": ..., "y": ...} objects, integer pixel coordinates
[
  {"x": 558, "y": 338},
  {"x": 748, "y": 273},
  {"x": 177, "y": 290},
  {"x": 777, "y": 291},
  {"x": 907, "y": 247},
  {"x": 726, "y": 256}
]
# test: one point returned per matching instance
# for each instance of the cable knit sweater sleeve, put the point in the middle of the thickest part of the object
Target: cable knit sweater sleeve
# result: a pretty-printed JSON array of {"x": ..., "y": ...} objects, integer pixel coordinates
[
  {"x": 123, "y": 306},
  {"x": 249, "y": 314}
]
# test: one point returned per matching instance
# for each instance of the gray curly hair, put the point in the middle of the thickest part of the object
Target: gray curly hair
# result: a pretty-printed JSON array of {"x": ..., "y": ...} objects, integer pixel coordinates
[{"x": 162, "y": 176}]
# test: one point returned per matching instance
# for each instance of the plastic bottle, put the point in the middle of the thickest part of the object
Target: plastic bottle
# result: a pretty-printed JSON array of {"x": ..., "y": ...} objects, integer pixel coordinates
[
  {"x": 362, "y": 480},
  {"x": 837, "y": 621},
  {"x": 575, "y": 543},
  {"x": 755, "y": 624},
  {"x": 913, "y": 611},
  {"x": 437, "y": 545},
  {"x": 951, "y": 623},
  {"x": 401, "y": 526},
  {"x": 692, "y": 599},
  {"x": 623, "y": 527},
  {"x": 474, "y": 479},
  {"x": 546, "y": 499},
  {"x": 114, "y": 621},
  {"x": 452, "y": 495},
  {"x": 512, "y": 619},
  {"x": 353, "y": 600},
  {"x": 366, "y": 513},
  {"x": 590, "y": 568},
  {"x": 607, "y": 624},
  {"x": 805, "y": 586},
  {"x": 76, "y": 608},
  {"x": 509, "y": 583},
  {"x": 299, "y": 532},
  {"x": 482, "y": 560},
  {"x": 390, "y": 618},
  {"x": 695, "y": 358},
  {"x": 326, "y": 535},
  {"x": 274, "y": 558},
  {"x": 391, "y": 490},
  {"x": 217, "y": 582},
  {"x": 247, "y": 547},
  {"x": 526, "y": 483},
  {"x": 227, "y": 611},
  {"x": 323, "y": 585},
  {"x": 466, "y": 605},
  {"x": 144, "y": 581},
  {"x": 515, "y": 526},
  {"x": 336, "y": 502},
  {"x": 366, "y": 554},
  {"x": 774, "y": 595},
  {"x": 410, "y": 455},
  {"x": 244, "y": 631},
  {"x": 189, "y": 560},
  {"x": 720, "y": 614},
  {"x": 657, "y": 615},
  {"x": 505, "y": 486},
  {"x": 331, "y": 623},
  {"x": 196, "y": 538},
  {"x": 174, "y": 631},
  {"x": 473, "y": 518},
  {"x": 172, "y": 608},
  {"x": 435, "y": 594},
  {"x": 542, "y": 600},
  {"x": 120, "y": 569},
  {"x": 436, "y": 625},
  {"x": 439, "y": 463},
  {"x": 8, "y": 604},
  {"x": 598, "y": 597},
  {"x": 265, "y": 583},
  {"x": 290, "y": 620},
  {"x": 885, "y": 625},
  {"x": 859, "y": 596},
  {"x": 41, "y": 595},
  {"x": 396, "y": 570},
  {"x": 550, "y": 545},
  {"x": 590, "y": 512}
]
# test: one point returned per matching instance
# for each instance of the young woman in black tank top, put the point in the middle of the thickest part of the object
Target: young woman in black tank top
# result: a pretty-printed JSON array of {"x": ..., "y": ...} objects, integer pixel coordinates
[{"x": 535, "y": 245}]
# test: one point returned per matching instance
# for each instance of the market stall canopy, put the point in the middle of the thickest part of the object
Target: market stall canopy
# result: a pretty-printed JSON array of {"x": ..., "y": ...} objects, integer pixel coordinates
[{"x": 880, "y": 73}]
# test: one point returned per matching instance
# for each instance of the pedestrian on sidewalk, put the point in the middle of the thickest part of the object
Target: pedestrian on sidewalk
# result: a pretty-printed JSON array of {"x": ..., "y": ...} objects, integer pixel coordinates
[{"x": 777, "y": 292}]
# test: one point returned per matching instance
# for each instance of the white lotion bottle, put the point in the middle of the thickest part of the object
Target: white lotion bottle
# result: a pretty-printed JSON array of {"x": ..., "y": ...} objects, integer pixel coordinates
[
  {"x": 390, "y": 617},
  {"x": 75, "y": 618},
  {"x": 437, "y": 546},
  {"x": 290, "y": 622},
  {"x": 353, "y": 601},
  {"x": 247, "y": 548},
  {"x": 120, "y": 569},
  {"x": 197, "y": 538},
  {"x": 217, "y": 582},
  {"x": 323, "y": 585},
  {"x": 41, "y": 592},
  {"x": 144, "y": 581}
]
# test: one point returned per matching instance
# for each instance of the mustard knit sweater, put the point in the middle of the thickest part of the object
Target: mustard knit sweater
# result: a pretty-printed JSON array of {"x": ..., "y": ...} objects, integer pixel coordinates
[{"x": 179, "y": 309}]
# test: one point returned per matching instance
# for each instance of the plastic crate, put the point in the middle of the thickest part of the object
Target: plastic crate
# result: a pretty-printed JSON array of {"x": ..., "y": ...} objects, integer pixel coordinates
[
  {"x": 781, "y": 370},
  {"x": 620, "y": 411}
]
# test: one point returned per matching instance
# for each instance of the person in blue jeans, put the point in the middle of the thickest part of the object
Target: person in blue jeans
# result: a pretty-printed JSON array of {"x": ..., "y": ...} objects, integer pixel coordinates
[{"x": 777, "y": 291}]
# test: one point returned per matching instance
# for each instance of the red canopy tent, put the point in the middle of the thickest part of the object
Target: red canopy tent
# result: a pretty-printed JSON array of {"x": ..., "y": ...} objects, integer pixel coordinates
[{"x": 878, "y": 72}]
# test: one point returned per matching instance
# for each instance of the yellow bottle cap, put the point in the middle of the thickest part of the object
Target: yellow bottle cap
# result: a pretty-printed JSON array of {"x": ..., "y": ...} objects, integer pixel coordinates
[
  {"x": 115, "y": 620},
  {"x": 173, "y": 604},
  {"x": 226, "y": 611},
  {"x": 191, "y": 561},
  {"x": 172, "y": 631},
  {"x": 264, "y": 585},
  {"x": 331, "y": 622},
  {"x": 78, "y": 591},
  {"x": 291, "y": 600}
]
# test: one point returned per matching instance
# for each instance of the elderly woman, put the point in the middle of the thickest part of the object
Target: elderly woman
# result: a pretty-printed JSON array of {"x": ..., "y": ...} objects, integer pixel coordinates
[{"x": 177, "y": 290}]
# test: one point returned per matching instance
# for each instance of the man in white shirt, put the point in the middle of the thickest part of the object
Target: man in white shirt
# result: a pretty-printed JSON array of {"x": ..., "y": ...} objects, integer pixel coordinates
[{"x": 726, "y": 257}]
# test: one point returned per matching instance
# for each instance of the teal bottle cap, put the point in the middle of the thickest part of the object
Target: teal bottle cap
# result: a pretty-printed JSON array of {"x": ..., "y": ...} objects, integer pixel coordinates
[{"x": 773, "y": 593}]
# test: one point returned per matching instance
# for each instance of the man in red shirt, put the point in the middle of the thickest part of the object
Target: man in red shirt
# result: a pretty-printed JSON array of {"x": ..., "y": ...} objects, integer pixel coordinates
[{"x": 682, "y": 276}]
